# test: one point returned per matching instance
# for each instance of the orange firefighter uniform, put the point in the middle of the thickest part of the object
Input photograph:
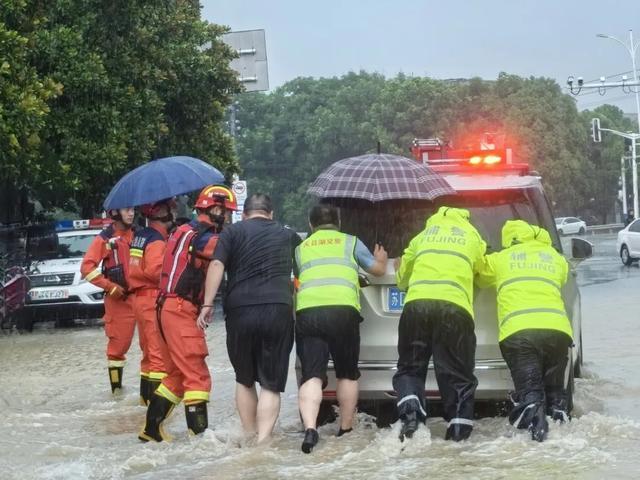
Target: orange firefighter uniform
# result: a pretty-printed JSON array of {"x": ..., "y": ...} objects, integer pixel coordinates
[
  {"x": 105, "y": 265},
  {"x": 145, "y": 264},
  {"x": 187, "y": 255}
]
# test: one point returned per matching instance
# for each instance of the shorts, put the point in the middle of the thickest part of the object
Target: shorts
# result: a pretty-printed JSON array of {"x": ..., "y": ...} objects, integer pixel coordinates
[
  {"x": 259, "y": 343},
  {"x": 324, "y": 331}
]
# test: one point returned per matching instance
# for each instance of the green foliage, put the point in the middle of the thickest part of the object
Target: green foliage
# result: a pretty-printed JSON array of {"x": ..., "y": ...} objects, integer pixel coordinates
[
  {"x": 102, "y": 87},
  {"x": 290, "y": 135}
]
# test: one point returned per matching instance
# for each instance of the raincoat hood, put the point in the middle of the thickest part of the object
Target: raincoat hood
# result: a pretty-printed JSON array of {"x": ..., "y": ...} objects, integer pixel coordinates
[
  {"x": 518, "y": 231},
  {"x": 459, "y": 215}
]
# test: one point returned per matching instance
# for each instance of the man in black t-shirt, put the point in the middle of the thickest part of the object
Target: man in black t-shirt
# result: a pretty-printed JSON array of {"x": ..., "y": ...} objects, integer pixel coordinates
[{"x": 257, "y": 254}]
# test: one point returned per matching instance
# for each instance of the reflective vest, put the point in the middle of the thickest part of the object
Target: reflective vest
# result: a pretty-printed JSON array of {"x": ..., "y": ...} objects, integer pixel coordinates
[
  {"x": 528, "y": 279},
  {"x": 445, "y": 255},
  {"x": 327, "y": 271},
  {"x": 115, "y": 266},
  {"x": 180, "y": 277}
]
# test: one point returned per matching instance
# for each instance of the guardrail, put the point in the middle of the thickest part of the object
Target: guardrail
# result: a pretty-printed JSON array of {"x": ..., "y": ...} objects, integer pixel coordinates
[{"x": 609, "y": 228}]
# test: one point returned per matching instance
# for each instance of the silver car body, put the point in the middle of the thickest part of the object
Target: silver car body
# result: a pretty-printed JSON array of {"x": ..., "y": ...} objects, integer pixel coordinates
[{"x": 381, "y": 313}]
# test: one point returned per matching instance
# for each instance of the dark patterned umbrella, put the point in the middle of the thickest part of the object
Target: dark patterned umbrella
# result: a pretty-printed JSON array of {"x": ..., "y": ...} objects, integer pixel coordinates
[{"x": 378, "y": 177}]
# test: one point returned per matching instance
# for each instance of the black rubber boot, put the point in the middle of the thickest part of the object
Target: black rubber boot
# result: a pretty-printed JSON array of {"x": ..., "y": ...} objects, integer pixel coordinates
[
  {"x": 342, "y": 431},
  {"x": 115, "y": 377},
  {"x": 539, "y": 426},
  {"x": 560, "y": 416},
  {"x": 410, "y": 424},
  {"x": 197, "y": 418},
  {"x": 145, "y": 393},
  {"x": 158, "y": 410},
  {"x": 458, "y": 432},
  {"x": 311, "y": 438}
]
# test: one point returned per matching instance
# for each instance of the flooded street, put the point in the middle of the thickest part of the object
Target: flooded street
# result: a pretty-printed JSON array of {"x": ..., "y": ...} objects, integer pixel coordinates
[{"x": 59, "y": 420}]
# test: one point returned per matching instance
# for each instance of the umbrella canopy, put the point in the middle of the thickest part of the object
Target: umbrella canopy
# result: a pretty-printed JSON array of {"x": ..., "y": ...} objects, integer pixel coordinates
[
  {"x": 378, "y": 177},
  {"x": 160, "y": 179}
]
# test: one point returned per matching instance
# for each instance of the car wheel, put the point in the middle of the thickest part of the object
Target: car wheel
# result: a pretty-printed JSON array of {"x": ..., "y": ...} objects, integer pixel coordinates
[
  {"x": 560, "y": 232},
  {"x": 624, "y": 256},
  {"x": 581, "y": 231},
  {"x": 24, "y": 322}
]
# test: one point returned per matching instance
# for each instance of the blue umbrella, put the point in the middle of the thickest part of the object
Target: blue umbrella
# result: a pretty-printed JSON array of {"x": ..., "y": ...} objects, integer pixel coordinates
[{"x": 160, "y": 179}]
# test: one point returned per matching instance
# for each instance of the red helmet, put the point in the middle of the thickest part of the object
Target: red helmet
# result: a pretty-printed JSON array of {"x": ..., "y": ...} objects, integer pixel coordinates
[
  {"x": 217, "y": 195},
  {"x": 152, "y": 209}
]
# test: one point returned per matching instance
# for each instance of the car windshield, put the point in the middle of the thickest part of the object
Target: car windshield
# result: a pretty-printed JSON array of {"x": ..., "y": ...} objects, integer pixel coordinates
[
  {"x": 74, "y": 246},
  {"x": 395, "y": 223}
]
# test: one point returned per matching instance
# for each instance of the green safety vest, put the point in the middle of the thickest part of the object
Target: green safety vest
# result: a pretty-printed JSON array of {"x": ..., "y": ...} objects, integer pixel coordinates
[
  {"x": 528, "y": 279},
  {"x": 445, "y": 257},
  {"x": 327, "y": 271}
]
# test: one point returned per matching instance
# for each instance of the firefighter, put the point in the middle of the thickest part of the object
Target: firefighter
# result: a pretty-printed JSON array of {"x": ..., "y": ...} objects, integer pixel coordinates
[
  {"x": 437, "y": 271},
  {"x": 105, "y": 265},
  {"x": 146, "y": 256},
  {"x": 187, "y": 256},
  {"x": 328, "y": 315},
  {"x": 534, "y": 331}
]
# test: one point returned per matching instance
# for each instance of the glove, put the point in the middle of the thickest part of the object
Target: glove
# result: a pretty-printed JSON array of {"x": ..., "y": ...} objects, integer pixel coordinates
[{"x": 116, "y": 292}]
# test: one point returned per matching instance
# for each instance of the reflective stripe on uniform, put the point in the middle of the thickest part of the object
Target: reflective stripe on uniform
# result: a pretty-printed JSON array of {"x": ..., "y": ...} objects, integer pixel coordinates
[
  {"x": 412, "y": 397},
  {"x": 442, "y": 282},
  {"x": 157, "y": 375},
  {"x": 461, "y": 421},
  {"x": 519, "y": 419},
  {"x": 531, "y": 310},
  {"x": 115, "y": 363},
  {"x": 326, "y": 282},
  {"x": 163, "y": 391},
  {"x": 195, "y": 396},
  {"x": 328, "y": 261},
  {"x": 177, "y": 257},
  {"x": 91, "y": 275},
  {"x": 528, "y": 279},
  {"x": 136, "y": 252},
  {"x": 439, "y": 251}
]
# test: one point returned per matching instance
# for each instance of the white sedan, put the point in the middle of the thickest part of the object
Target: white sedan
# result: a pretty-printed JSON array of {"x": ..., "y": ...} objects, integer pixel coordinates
[
  {"x": 570, "y": 226},
  {"x": 629, "y": 242}
]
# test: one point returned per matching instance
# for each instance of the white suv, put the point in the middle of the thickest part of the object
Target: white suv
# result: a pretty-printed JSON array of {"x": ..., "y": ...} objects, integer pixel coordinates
[
  {"x": 57, "y": 290},
  {"x": 493, "y": 197}
]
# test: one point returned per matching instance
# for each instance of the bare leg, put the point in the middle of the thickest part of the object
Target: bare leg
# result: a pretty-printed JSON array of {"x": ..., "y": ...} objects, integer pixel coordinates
[
  {"x": 247, "y": 405},
  {"x": 347, "y": 395},
  {"x": 309, "y": 398},
  {"x": 268, "y": 411}
]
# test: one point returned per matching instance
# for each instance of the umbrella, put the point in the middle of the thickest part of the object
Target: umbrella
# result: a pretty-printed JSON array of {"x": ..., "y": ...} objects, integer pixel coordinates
[
  {"x": 378, "y": 177},
  {"x": 160, "y": 179}
]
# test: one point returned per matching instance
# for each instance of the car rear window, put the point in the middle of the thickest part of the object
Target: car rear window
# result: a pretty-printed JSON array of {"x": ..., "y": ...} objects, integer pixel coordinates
[{"x": 395, "y": 223}]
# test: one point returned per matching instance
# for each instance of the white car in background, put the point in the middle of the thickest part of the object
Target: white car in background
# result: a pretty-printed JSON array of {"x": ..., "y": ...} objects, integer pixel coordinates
[
  {"x": 57, "y": 290},
  {"x": 570, "y": 226},
  {"x": 629, "y": 243}
]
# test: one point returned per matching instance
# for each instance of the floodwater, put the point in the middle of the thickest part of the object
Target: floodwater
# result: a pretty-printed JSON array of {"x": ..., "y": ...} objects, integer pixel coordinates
[{"x": 59, "y": 421}]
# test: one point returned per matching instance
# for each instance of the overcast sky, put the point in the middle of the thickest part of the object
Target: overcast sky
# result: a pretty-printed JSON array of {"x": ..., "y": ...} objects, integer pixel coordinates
[{"x": 441, "y": 39}]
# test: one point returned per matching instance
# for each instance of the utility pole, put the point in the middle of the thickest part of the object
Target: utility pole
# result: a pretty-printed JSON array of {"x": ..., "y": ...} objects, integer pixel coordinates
[{"x": 623, "y": 162}]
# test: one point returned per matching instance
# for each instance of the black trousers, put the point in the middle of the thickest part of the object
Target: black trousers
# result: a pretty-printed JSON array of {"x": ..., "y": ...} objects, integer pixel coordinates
[
  {"x": 446, "y": 331},
  {"x": 538, "y": 360}
]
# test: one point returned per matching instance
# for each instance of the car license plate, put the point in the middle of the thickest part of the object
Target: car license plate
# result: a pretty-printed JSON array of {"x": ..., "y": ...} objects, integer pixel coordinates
[
  {"x": 395, "y": 299},
  {"x": 48, "y": 294}
]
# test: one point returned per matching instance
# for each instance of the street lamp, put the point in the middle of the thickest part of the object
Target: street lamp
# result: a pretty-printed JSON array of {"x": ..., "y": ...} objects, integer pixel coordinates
[{"x": 632, "y": 48}]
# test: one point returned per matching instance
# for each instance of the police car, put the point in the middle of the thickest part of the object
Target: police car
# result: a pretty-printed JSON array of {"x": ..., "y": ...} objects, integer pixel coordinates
[
  {"x": 57, "y": 290},
  {"x": 494, "y": 189}
]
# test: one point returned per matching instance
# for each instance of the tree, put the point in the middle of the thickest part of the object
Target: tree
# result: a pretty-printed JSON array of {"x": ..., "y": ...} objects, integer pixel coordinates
[
  {"x": 604, "y": 160},
  {"x": 292, "y": 134},
  {"x": 24, "y": 105},
  {"x": 137, "y": 84}
]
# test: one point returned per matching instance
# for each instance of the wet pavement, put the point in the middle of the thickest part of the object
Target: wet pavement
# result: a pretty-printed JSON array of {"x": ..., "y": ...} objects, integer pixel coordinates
[{"x": 59, "y": 421}]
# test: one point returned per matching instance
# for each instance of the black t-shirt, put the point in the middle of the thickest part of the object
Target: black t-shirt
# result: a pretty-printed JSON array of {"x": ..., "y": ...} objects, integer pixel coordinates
[{"x": 258, "y": 256}]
